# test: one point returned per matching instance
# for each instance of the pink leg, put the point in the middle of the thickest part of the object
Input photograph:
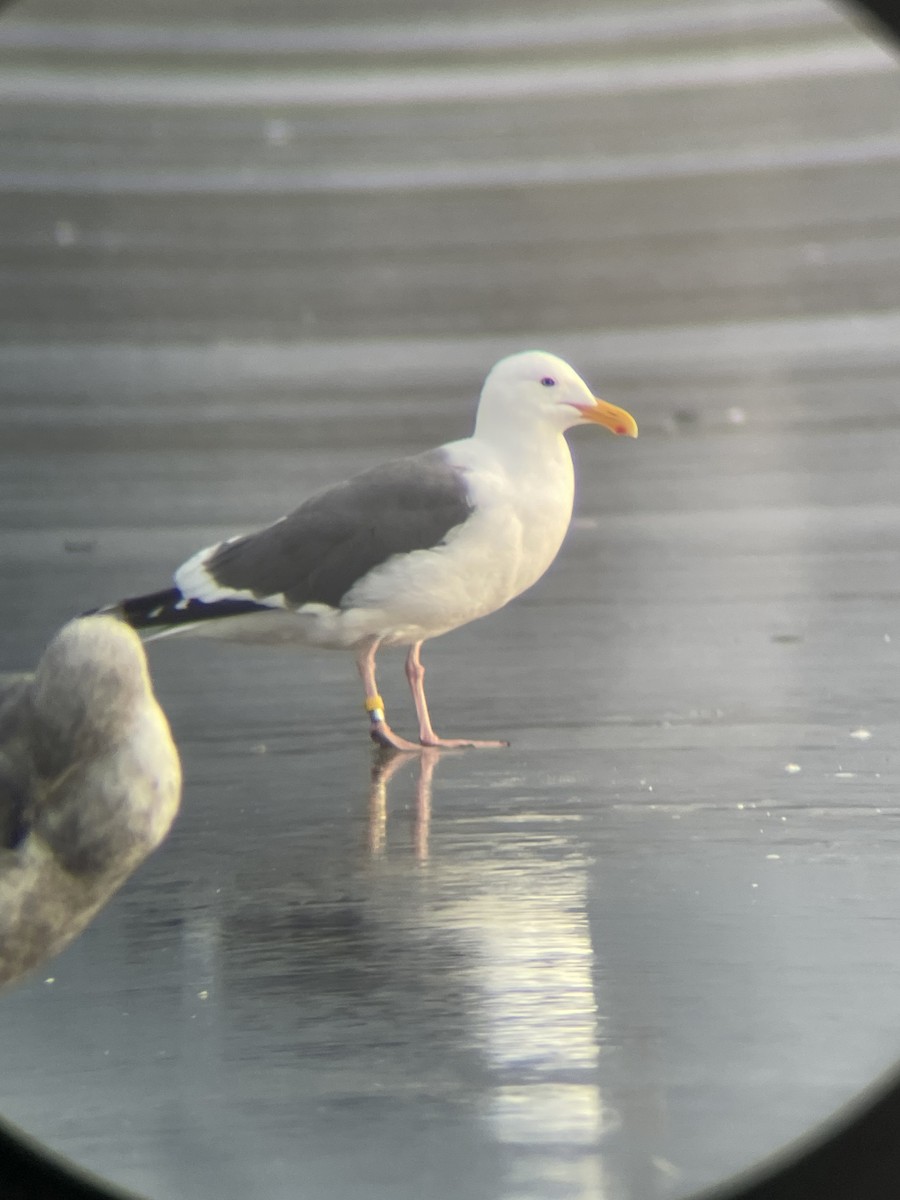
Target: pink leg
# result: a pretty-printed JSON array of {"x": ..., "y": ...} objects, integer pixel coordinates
[
  {"x": 379, "y": 730},
  {"x": 415, "y": 673}
]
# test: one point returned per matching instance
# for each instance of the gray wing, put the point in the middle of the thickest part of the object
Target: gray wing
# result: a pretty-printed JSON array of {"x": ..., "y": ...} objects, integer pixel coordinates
[{"x": 318, "y": 552}]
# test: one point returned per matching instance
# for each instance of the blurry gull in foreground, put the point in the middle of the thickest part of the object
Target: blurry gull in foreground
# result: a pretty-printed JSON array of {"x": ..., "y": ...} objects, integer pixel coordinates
[
  {"x": 90, "y": 782},
  {"x": 407, "y": 550}
]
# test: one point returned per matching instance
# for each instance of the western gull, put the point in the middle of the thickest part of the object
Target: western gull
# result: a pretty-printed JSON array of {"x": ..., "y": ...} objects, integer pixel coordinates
[
  {"x": 407, "y": 550},
  {"x": 90, "y": 782}
]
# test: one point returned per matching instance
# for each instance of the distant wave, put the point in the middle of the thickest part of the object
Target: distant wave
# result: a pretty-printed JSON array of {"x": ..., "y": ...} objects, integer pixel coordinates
[
  {"x": 605, "y": 26},
  {"x": 461, "y": 85},
  {"x": 444, "y": 176},
  {"x": 864, "y": 338}
]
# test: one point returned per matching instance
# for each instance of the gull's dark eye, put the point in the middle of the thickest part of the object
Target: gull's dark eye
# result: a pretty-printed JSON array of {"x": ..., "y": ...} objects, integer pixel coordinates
[{"x": 548, "y": 381}]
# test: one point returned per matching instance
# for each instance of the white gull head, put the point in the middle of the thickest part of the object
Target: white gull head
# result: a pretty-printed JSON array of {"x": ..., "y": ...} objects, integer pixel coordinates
[{"x": 540, "y": 390}]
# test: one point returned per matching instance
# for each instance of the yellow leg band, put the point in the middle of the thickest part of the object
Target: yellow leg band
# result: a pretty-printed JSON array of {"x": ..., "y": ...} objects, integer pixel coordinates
[{"x": 375, "y": 704}]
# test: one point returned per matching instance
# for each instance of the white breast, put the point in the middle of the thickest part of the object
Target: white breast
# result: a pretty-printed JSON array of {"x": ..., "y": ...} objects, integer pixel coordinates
[{"x": 519, "y": 520}]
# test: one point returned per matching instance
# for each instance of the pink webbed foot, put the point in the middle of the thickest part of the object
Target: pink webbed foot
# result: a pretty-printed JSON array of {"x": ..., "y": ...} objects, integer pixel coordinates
[
  {"x": 382, "y": 735},
  {"x": 460, "y": 743}
]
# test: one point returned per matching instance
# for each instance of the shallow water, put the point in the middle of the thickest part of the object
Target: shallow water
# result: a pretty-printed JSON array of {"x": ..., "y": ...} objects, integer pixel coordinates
[{"x": 656, "y": 938}]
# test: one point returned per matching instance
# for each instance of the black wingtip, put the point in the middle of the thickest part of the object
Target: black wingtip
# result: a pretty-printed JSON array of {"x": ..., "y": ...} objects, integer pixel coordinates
[
  {"x": 154, "y": 610},
  {"x": 108, "y": 610},
  {"x": 145, "y": 612},
  {"x": 168, "y": 609}
]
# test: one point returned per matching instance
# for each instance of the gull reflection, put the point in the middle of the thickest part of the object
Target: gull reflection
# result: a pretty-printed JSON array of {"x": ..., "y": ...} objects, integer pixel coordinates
[
  {"x": 515, "y": 907},
  {"x": 385, "y": 766}
]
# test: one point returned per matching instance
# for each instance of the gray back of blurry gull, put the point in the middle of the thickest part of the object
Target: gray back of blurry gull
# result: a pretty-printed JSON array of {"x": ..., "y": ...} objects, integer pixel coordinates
[{"x": 90, "y": 782}]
